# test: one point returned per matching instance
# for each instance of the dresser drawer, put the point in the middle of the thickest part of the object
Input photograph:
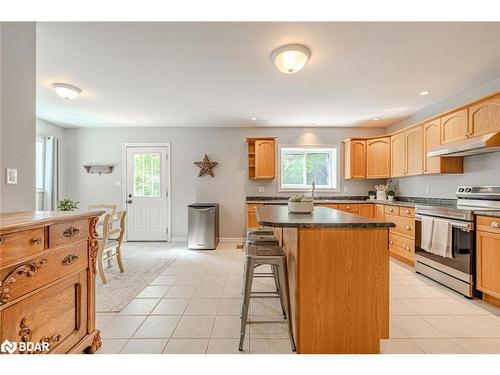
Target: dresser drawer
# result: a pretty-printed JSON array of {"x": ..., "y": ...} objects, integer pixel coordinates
[
  {"x": 407, "y": 212},
  {"x": 69, "y": 232},
  {"x": 392, "y": 210},
  {"x": 402, "y": 246},
  {"x": 21, "y": 244},
  {"x": 488, "y": 224},
  {"x": 27, "y": 276},
  {"x": 353, "y": 208},
  {"x": 56, "y": 315},
  {"x": 404, "y": 225}
]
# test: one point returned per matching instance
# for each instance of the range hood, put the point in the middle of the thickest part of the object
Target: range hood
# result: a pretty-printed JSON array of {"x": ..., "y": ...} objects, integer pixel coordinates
[{"x": 471, "y": 146}]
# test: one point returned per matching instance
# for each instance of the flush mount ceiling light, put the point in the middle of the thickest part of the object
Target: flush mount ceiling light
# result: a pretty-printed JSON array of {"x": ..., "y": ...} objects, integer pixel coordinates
[
  {"x": 290, "y": 58},
  {"x": 253, "y": 118},
  {"x": 422, "y": 93},
  {"x": 66, "y": 91},
  {"x": 376, "y": 119}
]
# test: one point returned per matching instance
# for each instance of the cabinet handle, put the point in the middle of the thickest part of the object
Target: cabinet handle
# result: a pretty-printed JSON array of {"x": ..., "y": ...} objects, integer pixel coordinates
[
  {"x": 408, "y": 227},
  {"x": 2, "y": 239},
  {"x": 495, "y": 224},
  {"x": 407, "y": 248},
  {"x": 390, "y": 210},
  {"x": 71, "y": 258},
  {"x": 348, "y": 207},
  {"x": 71, "y": 232},
  {"x": 36, "y": 241},
  {"x": 390, "y": 242},
  {"x": 407, "y": 211}
]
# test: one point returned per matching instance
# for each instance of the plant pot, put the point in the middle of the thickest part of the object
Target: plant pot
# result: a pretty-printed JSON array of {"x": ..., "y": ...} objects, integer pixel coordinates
[
  {"x": 372, "y": 197},
  {"x": 390, "y": 197},
  {"x": 381, "y": 195},
  {"x": 300, "y": 207}
]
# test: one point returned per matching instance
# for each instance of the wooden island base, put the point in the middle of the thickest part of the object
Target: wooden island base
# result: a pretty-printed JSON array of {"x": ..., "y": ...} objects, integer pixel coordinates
[{"x": 339, "y": 286}]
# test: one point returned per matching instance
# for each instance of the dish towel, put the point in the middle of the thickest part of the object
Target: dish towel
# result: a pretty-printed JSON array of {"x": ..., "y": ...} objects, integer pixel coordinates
[
  {"x": 426, "y": 235},
  {"x": 441, "y": 238}
]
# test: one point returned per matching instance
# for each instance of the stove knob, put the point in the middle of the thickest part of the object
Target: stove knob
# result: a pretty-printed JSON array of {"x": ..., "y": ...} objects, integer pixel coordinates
[
  {"x": 460, "y": 190},
  {"x": 468, "y": 190}
]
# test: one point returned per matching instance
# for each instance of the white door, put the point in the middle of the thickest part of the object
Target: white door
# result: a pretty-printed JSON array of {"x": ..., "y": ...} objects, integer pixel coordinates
[{"x": 146, "y": 193}]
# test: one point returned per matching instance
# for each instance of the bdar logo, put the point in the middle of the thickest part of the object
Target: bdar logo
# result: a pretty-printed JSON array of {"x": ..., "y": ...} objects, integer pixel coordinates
[{"x": 8, "y": 347}]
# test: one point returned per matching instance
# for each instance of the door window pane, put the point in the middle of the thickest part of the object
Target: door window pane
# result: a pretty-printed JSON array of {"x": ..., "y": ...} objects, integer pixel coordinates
[
  {"x": 147, "y": 175},
  {"x": 293, "y": 168}
]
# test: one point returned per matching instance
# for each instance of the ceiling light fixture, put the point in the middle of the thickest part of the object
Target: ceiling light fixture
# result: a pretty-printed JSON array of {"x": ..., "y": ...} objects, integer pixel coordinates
[
  {"x": 66, "y": 91},
  {"x": 422, "y": 93},
  {"x": 376, "y": 119},
  {"x": 253, "y": 118},
  {"x": 291, "y": 58}
]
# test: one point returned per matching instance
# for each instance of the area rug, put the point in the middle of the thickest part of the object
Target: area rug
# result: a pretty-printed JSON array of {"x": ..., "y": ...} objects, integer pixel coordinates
[{"x": 143, "y": 262}]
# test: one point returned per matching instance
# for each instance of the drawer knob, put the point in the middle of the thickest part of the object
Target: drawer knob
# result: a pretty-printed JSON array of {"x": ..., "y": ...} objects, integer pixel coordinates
[
  {"x": 407, "y": 248},
  {"x": 408, "y": 227},
  {"x": 71, "y": 232},
  {"x": 407, "y": 211},
  {"x": 69, "y": 259},
  {"x": 390, "y": 242},
  {"x": 495, "y": 224},
  {"x": 36, "y": 241},
  {"x": 348, "y": 207},
  {"x": 2, "y": 239},
  {"x": 390, "y": 210}
]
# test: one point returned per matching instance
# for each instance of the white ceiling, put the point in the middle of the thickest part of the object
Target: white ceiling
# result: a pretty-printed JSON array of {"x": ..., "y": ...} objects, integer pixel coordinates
[{"x": 220, "y": 74}]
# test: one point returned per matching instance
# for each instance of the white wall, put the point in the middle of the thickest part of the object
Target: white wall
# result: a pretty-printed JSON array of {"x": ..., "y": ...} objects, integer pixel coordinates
[
  {"x": 225, "y": 145},
  {"x": 17, "y": 120},
  {"x": 478, "y": 170}
]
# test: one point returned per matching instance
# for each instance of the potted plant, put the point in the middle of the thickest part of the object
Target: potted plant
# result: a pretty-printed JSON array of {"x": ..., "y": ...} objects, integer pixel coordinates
[
  {"x": 300, "y": 204},
  {"x": 390, "y": 195},
  {"x": 67, "y": 205},
  {"x": 372, "y": 194}
]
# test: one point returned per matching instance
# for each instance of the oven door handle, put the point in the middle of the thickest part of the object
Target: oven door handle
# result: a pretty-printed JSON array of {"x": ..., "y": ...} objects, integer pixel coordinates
[{"x": 467, "y": 227}]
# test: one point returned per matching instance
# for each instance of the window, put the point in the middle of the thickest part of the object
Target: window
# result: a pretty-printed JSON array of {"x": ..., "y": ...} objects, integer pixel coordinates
[
  {"x": 300, "y": 166},
  {"x": 147, "y": 175},
  {"x": 40, "y": 163}
]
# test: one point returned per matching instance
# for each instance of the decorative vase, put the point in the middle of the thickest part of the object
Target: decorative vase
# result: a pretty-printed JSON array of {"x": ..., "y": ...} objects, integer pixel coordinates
[
  {"x": 390, "y": 197},
  {"x": 372, "y": 197},
  {"x": 300, "y": 207},
  {"x": 381, "y": 195}
]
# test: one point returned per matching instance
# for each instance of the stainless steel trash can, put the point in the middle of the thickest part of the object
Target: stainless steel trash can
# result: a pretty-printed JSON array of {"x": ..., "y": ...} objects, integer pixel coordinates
[{"x": 203, "y": 226}]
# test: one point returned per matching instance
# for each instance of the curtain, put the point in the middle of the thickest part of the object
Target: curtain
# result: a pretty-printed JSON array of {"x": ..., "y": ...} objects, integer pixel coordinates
[{"x": 51, "y": 180}]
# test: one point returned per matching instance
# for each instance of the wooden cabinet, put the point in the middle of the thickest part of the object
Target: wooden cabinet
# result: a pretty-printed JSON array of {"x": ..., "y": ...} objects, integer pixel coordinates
[
  {"x": 402, "y": 237},
  {"x": 354, "y": 159},
  {"x": 432, "y": 138},
  {"x": 488, "y": 256},
  {"x": 352, "y": 208},
  {"x": 414, "y": 151},
  {"x": 379, "y": 212},
  {"x": 455, "y": 126},
  {"x": 398, "y": 154},
  {"x": 252, "y": 216},
  {"x": 261, "y": 158},
  {"x": 366, "y": 210},
  {"x": 47, "y": 292},
  {"x": 484, "y": 117},
  {"x": 378, "y": 158}
]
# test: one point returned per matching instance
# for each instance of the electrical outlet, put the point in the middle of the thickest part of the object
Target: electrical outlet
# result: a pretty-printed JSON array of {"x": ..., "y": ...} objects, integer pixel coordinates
[
  {"x": 346, "y": 189},
  {"x": 261, "y": 189},
  {"x": 118, "y": 183},
  {"x": 427, "y": 189}
]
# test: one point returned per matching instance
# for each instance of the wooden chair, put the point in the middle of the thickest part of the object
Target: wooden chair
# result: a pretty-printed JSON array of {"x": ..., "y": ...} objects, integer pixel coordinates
[{"x": 110, "y": 242}]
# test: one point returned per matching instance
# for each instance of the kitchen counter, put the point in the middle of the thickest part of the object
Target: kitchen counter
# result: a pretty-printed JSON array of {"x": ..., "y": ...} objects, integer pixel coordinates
[
  {"x": 492, "y": 213},
  {"x": 321, "y": 217}
]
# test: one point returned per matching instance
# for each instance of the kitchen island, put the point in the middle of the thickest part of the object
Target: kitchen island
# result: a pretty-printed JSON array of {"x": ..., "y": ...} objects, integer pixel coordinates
[{"x": 338, "y": 272}]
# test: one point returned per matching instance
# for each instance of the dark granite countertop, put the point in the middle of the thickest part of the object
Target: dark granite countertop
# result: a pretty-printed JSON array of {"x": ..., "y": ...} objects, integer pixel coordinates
[
  {"x": 492, "y": 213},
  {"x": 321, "y": 217}
]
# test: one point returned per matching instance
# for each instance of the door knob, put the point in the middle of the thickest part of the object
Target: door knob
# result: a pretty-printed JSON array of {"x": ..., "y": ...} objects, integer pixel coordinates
[
  {"x": 130, "y": 195},
  {"x": 129, "y": 201}
]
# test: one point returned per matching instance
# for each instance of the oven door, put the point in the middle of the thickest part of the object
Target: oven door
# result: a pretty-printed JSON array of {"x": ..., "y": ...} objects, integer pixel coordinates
[{"x": 462, "y": 263}]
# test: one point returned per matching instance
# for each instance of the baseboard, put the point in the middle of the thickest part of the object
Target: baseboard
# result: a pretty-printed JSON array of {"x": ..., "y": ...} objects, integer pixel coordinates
[{"x": 176, "y": 239}]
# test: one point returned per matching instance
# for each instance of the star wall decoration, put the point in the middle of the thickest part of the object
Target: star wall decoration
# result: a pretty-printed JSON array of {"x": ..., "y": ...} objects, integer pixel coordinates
[{"x": 205, "y": 166}]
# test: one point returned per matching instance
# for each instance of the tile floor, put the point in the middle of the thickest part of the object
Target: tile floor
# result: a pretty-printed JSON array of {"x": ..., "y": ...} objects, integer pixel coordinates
[{"x": 194, "y": 307}]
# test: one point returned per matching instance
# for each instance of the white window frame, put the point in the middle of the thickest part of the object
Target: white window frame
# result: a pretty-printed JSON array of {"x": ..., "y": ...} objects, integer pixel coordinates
[
  {"x": 41, "y": 139},
  {"x": 326, "y": 190}
]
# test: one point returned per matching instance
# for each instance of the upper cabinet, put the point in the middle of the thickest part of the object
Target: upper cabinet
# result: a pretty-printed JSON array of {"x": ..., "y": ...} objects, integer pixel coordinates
[
  {"x": 454, "y": 126},
  {"x": 398, "y": 154},
  {"x": 378, "y": 157},
  {"x": 414, "y": 151},
  {"x": 261, "y": 158},
  {"x": 484, "y": 117},
  {"x": 354, "y": 159},
  {"x": 432, "y": 138}
]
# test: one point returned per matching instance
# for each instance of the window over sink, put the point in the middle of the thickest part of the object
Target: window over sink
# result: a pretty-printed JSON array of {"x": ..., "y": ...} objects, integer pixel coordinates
[{"x": 300, "y": 166}]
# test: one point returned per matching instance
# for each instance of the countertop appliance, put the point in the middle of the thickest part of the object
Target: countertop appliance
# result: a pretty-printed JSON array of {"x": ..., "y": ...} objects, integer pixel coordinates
[
  {"x": 459, "y": 271},
  {"x": 203, "y": 226}
]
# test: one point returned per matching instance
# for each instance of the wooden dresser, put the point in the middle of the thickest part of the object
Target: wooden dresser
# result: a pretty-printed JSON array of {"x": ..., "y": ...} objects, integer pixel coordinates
[{"x": 47, "y": 281}]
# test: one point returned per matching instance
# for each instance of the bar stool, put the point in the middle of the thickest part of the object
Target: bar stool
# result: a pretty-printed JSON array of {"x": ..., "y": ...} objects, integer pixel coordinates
[{"x": 273, "y": 255}]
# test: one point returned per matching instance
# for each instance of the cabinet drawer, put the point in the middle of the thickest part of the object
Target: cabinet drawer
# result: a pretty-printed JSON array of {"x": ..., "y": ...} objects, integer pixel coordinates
[
  {"x": 69, "y": 232},
  {"x": 21, "y": 244},
  {"x": 334, "y": 206},
  {"x": 392, "y": 210},
  {"x": 27, "y": 276},
  {"x": 407, "y": 212},
  {"x": 349, "y": 207},
  {"x": 402, "y": 246},
  {"x": 56, "y": 315},
  {"x": 404, "y": 225},
  {"x": 488, "y": 224}
]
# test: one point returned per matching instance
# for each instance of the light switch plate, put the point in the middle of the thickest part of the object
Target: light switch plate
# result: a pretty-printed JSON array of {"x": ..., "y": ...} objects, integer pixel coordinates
[
  {"x": 346, "y": 189},
  {"x": 11, "y": 176},
  {"x": 427, "y": 189},
  {"x": 261, "y": 189},
  {"x": 118, "y": 183}
]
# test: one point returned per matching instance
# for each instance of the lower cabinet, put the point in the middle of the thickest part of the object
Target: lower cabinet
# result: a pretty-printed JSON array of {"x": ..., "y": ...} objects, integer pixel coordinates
[
  {"x": 366, "y": 210},
  {"x": 402, "y": 236},
  {"x": 488, "y": 257},
  {"x": 252, "y": 215}
]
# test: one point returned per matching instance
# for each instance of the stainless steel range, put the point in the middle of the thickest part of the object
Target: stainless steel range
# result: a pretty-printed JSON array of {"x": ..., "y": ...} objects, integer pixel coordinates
[{"x": 456, "y": 271}]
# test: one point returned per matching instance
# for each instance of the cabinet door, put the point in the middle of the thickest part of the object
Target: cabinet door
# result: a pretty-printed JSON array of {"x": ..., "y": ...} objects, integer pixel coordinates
[
  {"x": 265, "y": 158},
  {"x": 379, "y": 212},
  {"x": 484, "y": 117},
  {"x": 378, "y": 158},
  {"x": 414, "y": 151},
  {"x": 432, "y": 138},
  {"x": 454, "y": 126},
  {"x": 355, "y": 159},
  {"x": 488, "y": 263},
  {"x": 56, "y": 315},
  {"x": 398, "y": 155},
  {"x": 366, "y": 210},
  {"x": 252, "y": 216}
]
